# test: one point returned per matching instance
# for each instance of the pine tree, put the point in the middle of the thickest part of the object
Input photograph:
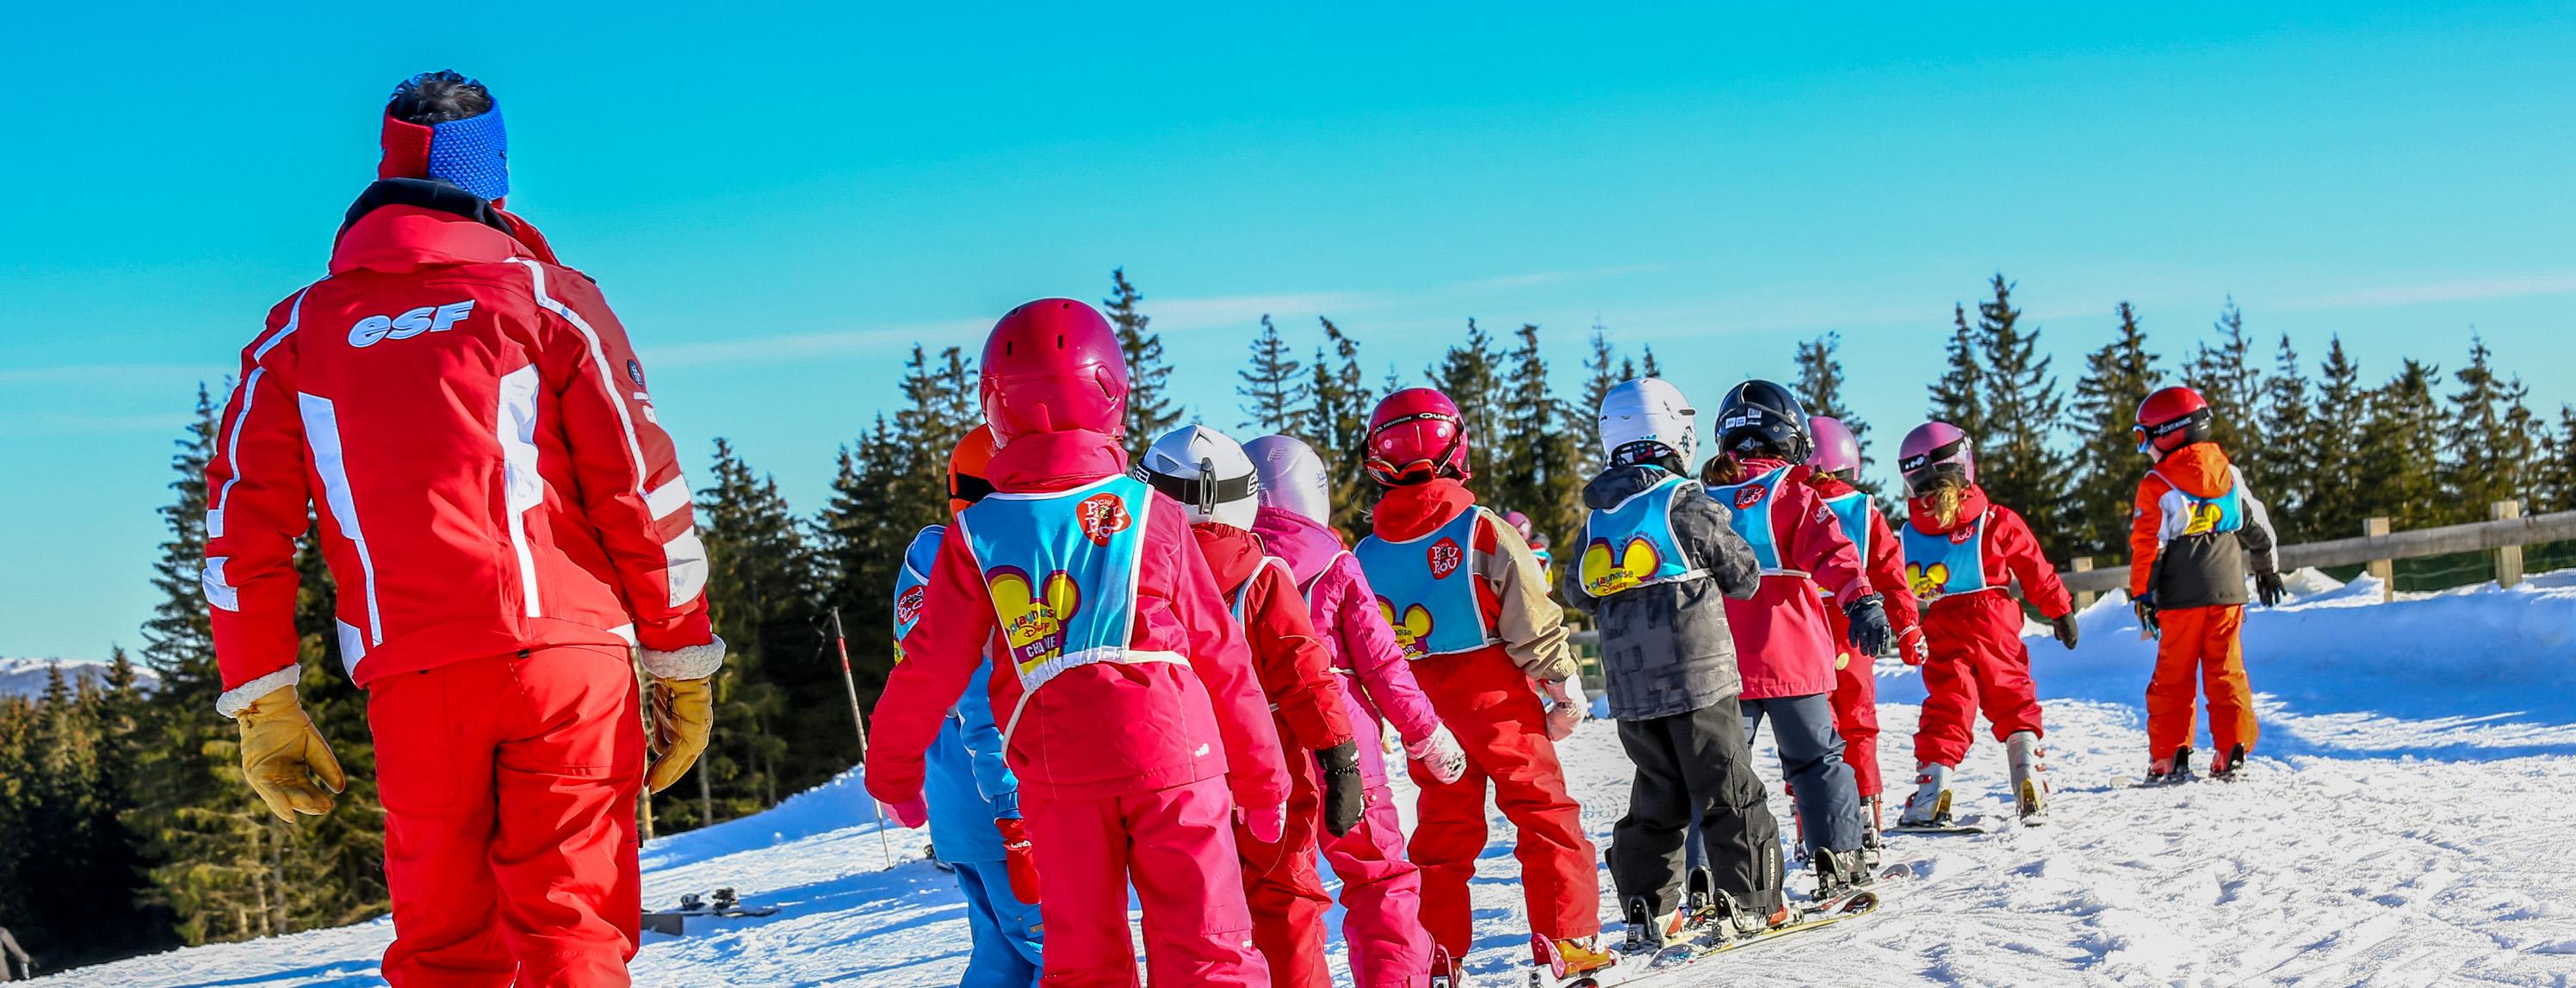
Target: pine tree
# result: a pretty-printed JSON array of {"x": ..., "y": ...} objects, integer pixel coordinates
[
  {"x": 761, "y": 593},
  {"x": 1150, "y": 413},
  {"x": 2107, "y": 464},
  {"x": 2286, "y": 479},
  {"x": 1466, "y": 373},
  {"x": 1820, "y": 388},
  {"x": 1604, "y": 369},
  {"x": 2016, "y": 461},
  {"x": 860, "y": 536},
  {"x": 1537, "y": 471},
  {"x": 1335, "y": 422},
  {"x": 1958, "y": 396},
  {"x": 2491, "y": 439},
  {"x": 2397, "y": 467},
  {"x": 2227, "y": 378},
  {"x": 2556, "y": 483},
  {"x": 2336, "y": 506},
  {"x": 1273, "y": 386}
]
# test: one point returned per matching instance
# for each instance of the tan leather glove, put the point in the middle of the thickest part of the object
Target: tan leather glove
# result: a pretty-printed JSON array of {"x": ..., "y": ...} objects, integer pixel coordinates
[
  {"x": 283, "y": 756},
  {"x": 682, "y": 713}
]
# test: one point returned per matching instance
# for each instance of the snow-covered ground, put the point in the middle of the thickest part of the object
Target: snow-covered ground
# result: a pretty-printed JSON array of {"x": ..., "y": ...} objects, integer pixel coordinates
[
  {"x": 2403, "y": 824},
  {"x": 27, "y": 677}
]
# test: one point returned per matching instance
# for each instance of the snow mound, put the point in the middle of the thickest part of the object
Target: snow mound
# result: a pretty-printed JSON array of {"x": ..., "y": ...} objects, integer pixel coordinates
[{"x": 2401, "y": 823}]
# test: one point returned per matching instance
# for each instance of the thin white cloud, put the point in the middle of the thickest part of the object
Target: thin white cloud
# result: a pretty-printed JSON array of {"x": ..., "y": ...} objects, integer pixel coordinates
[
  {"x": 797, "y": 346},
  {"x": 109, "y": 374},
  {"x": 1181, "y": 315},
  {"x": 2466, "y": 290}
]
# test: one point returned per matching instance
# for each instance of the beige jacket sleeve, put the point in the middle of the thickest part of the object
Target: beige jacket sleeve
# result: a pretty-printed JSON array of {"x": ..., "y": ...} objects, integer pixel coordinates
[{"x": 1531, "y": 624}]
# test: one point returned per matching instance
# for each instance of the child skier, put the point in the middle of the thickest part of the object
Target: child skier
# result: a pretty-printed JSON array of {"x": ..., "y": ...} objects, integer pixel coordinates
[
  {"x": 1785, "y": 647},
  {"x": 974, "y": 800},
  {"x": 1961, "y": 553},
  {"x": 1129, "y": 705},
  {"x": 1467, "y": 604},
  {"x": 2195, "y": 519},
  {"x": 1836, "y": 465},
  {"x": 1659, "y": 558},
  {"x": 1213, "y": 480},
  {"x": 1537, "y": 542},
  {"x": 1381, "y": 889}
]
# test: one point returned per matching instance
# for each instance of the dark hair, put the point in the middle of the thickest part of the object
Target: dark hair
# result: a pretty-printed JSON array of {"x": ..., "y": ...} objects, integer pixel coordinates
[{"x": 432, "y": 98}]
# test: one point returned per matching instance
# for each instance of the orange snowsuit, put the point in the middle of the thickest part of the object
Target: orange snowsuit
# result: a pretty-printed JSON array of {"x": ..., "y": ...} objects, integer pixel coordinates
[{"x": 2195, "y": 521}]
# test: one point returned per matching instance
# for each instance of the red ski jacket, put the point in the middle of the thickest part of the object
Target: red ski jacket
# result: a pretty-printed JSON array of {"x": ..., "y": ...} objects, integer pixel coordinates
[
  {"x": 1102, "y": 730},
  {"x": 1296, "y": 670},
  {"x": 467, "y": 420},
  {"x": 2010, "y": 548},
  {"x": 1784, "y": 643}
]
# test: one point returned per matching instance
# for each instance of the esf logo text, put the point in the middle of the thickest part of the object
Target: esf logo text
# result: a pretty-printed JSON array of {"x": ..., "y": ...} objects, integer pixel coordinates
[{"x": 426, "y": 319}]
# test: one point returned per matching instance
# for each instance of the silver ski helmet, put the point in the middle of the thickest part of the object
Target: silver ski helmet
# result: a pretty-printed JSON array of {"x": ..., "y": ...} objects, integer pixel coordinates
[
  {"x": 1647, "y": 418},
  {"x": 1293, "y": 478},
  {"x": 1205, "y": 470}
]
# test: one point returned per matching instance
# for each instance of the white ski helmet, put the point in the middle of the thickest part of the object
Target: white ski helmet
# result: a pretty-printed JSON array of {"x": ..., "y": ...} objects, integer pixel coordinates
[
  {"x": 1648, "y": 410},
  {"x": 1293, "y": 478},
  {"x": 1207, "y": 472}
]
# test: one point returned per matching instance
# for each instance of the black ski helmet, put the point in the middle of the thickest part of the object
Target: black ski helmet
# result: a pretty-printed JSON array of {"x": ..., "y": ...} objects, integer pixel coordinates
[{"x": 1764, "y": 413}]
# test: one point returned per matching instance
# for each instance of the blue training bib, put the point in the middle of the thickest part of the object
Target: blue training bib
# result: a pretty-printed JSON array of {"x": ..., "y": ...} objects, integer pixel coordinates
[
  {"x": 1948, "y": 564},
  {"x": 1751, "y": 503},
  {"x": 1061, "y": 569},
  {"x": 2187, "y": 514},
  {"x": 1631, "y": 544},
  {"x": 1426, "y": 587}
]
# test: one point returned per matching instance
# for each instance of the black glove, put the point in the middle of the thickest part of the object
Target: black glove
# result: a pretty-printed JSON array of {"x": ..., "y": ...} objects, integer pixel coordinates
[
  {"x": 2065, "y": 625},
  {"x": 2267, "y": 588},
  {"x": 2145, "y": 606},
  {"x": 1345, "y": 795},
  {"x": 1869, "y": 630}
]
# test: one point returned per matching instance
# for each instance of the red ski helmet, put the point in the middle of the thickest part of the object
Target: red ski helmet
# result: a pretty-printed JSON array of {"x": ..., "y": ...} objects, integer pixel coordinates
[
  {"x": 1414, "y": 435},
  {"x": 2171, "y": 419},
  {"x": 966, "y": 464},
  {"x": 1053, "y": 365},
  {"x": 1935, "y": 451},
  {"x": 1837, "y": 452}
]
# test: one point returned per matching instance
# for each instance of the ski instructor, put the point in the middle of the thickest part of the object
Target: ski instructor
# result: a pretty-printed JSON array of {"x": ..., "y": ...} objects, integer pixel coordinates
[{"x": 503, "y": 519}]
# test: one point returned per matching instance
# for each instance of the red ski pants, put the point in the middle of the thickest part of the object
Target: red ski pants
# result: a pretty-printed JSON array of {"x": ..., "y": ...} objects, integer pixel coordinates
[
  {"x": 1283, "y": 889},
  {"x": 509, "y": 786},
  {"x": 1177, "y": 846},
  {"x": 1490, "y": 706},
  {"x": 1978, "y": 662},
  {"x": 1856, "y": 709},
  {"x": 2200, "y": 646}
]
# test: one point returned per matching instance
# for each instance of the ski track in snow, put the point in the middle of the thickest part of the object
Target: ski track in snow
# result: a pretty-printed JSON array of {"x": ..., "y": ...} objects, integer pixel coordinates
[{"x": 2397, "y": 827}]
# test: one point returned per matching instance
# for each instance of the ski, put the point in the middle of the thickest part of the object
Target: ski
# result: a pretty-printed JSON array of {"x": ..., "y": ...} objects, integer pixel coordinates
[
  {"x": 1963, "y": 825},
  {"x": 723, "y": 904},
  {"x": 1666, "y": 963}
]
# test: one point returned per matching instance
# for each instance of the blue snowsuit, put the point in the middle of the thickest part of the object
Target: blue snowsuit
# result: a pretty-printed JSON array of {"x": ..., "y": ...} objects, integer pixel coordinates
[{"x": 969, "y": 787}]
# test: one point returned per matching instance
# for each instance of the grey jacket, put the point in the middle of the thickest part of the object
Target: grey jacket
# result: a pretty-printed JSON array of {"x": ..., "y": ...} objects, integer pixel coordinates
[{"x": 1665, "y": 647}]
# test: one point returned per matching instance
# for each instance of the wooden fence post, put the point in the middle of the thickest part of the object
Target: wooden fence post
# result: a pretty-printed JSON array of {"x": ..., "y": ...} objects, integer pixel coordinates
[
  {"x": 2084, "y": 599},
  {"x": 2508, "y": 559},
  {"x": 2384, "y": 569}
]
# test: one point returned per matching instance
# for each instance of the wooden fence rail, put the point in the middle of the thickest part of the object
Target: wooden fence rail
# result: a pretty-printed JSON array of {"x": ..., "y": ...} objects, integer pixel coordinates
[{"x": 2377, "y": 547}]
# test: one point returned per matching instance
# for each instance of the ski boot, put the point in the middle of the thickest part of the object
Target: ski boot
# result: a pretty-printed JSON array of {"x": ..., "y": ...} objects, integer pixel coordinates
[
  {"x": 1929, "y": 807},
  {"x": 1731, "y": 920},
  {"x": 1871, "y": 840},
  {"x": 1700, "y": 895},
  {"x": 1840, "y": 875},
  {"x": 2168, "y": 771},
  {"x": 2029, "y": 776},
  {"x": 1574, "y": 960},
  {"x": 1649, "y": 933},
  {"x": 2223, "y": 768},
  {"x": 1444, "y": 970}
]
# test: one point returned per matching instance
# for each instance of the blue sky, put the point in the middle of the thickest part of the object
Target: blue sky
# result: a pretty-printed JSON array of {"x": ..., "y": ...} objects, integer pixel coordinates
[{"x": 779, "y": 204}]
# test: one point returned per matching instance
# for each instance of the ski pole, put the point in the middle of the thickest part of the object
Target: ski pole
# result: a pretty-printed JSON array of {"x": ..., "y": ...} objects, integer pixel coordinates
[{"x": 841, "y": 642}]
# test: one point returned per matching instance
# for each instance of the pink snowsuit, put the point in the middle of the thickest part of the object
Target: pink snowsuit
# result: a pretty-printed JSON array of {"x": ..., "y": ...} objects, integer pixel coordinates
[
  {"x": 1129, "y": 771},
  {"x": 1381, "y": 889}
]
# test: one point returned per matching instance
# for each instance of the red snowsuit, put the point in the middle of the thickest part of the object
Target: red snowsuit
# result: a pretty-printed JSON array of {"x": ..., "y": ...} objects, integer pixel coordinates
[
  {"x": 503, "y": 518},
  {"x": 1279, "y": 879},
  {"x": 1978, "y": 659},
  {"x": 1855, "y": 675},
  {"x": 1781, "y": 633},
  {"x": 1128, "y": 772},
  {"x": 1486, "y": 699}
]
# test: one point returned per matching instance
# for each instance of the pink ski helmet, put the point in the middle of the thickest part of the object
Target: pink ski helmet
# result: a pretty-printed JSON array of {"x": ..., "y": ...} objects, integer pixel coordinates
[
  {"x": 1837, "y": 452},
  {"x": 1293, "y": 478},
  {"x": 1415, "y": 435},
  {"x": 1934, "y": 451},
  {"x": 1053, "y": 365}
]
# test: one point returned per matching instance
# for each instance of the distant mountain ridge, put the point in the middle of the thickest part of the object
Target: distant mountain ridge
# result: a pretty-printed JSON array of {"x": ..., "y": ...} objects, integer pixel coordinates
[{"x": 27, "y": 677}]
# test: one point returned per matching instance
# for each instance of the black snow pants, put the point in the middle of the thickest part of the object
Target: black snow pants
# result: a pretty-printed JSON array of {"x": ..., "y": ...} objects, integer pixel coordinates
[{"x": 1694, "y": 767}]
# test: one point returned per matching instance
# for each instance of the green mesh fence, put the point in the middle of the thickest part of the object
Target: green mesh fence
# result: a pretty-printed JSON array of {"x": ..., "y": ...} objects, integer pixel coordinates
[{"x": 2460, "y": 569}]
